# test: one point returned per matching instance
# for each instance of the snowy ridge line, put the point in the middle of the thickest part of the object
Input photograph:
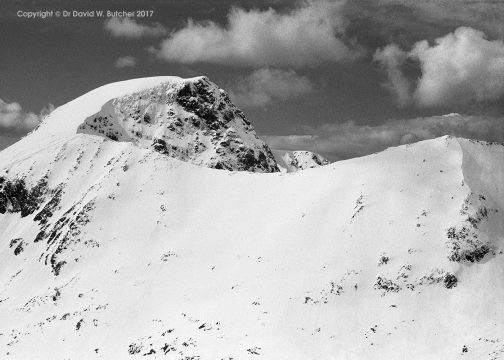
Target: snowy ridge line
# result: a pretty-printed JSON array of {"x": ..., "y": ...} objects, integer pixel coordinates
[{"x": 123, "y": 249}]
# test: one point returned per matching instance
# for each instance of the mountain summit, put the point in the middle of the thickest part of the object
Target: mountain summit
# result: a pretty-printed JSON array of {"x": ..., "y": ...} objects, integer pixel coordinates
[
  {"x": 117, "y": 246},
  {"x": 188, "y": 119}
]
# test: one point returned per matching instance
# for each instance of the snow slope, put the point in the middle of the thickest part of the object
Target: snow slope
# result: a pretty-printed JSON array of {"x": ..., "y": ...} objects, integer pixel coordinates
[
  {"x": 290, "y": 161},
  {"x": 113, "y": 250}
]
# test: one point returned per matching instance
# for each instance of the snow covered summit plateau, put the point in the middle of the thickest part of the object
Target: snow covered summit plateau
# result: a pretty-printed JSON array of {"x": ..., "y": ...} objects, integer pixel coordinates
[{"x": 120, "y": 246}]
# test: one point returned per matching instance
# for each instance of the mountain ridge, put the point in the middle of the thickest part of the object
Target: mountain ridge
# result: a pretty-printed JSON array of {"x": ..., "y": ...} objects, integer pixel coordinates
[{"x": 113, "y": 250}]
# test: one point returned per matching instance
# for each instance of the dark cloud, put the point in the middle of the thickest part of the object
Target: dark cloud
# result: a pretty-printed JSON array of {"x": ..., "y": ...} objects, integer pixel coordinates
[
  {"x": 404, "y": 22},
  {"x": 487, "y": 15}
]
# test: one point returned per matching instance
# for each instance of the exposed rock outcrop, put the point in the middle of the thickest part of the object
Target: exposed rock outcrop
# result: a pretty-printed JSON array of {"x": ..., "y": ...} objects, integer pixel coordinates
[{"x": 192, "y": 120}]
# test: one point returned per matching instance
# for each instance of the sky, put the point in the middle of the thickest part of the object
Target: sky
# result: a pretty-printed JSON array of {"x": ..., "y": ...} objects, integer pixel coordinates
[{"x": 341, "y": 78}]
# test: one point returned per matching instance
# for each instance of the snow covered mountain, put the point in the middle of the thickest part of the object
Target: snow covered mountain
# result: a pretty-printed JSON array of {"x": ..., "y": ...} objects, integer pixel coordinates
[
  {"x": 112, "y": 249},
  {"x": 188, "y": 119},
  {"x": 290, "y": 161}
]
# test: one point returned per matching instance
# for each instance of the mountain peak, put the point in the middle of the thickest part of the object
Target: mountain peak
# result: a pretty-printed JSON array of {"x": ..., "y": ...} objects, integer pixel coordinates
[{"x": 192, "y": 120}]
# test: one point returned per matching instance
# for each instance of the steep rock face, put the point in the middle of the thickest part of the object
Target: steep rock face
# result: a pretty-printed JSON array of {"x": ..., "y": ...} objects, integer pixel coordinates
[
  {"x": 290, "y": 161},
  {"x": 15, "y": 197},
  {"x": 192, "y": 120}
]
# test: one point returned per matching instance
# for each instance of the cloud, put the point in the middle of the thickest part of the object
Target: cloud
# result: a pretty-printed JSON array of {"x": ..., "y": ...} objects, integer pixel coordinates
[
  {"x": 406, "y": 21},
  {"x": 461, "y": 67},
  {"x": 128, "y": 28},
  {"x": 485, "y": 14},
  {"x": 348, "y": 140},
  {"x": 125, "y": 61},
  {"x": 14, "y": 121},
  {"x": 392, "y": 58},
  {"x": 266, "y": 85},
  {"x": 306, "y": 36}
]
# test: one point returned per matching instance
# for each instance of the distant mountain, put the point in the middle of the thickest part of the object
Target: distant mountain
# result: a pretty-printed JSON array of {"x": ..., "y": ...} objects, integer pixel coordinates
[
  {"x": 117, "y": 246},
  {"x": 290, "y": 161}
]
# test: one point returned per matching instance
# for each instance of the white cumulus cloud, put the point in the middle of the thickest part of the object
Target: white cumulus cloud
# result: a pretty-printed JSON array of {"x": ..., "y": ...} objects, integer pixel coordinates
[
  {"x": 129, "y": 28},
  {"x": 266, "y": 85},
  {"x": 460, "y": 67},
  {"x": 13, "y": 120},
  {"x": 392, "y": 58},
  {"x": 306, "y": 36}
]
